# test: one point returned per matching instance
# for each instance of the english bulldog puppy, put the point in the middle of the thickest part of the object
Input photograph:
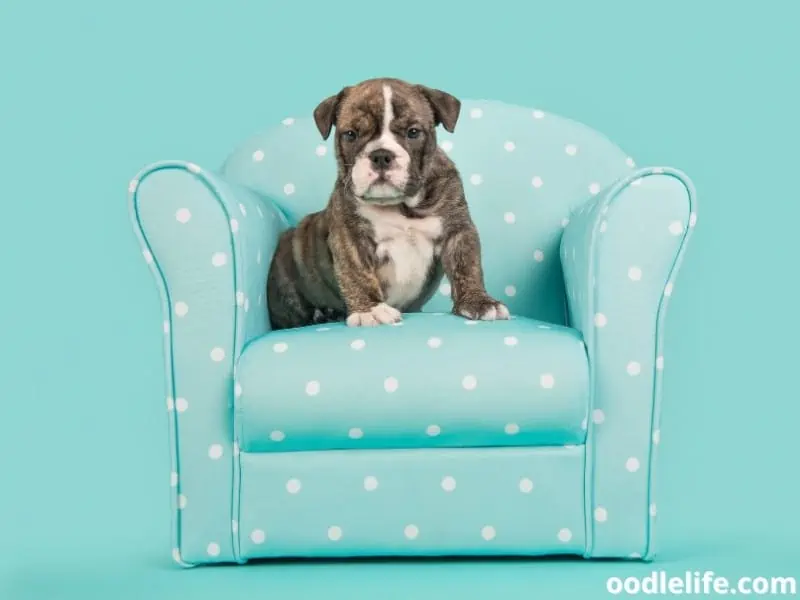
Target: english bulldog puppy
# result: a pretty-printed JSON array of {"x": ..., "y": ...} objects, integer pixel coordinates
[{"x": 397, "y": 219}]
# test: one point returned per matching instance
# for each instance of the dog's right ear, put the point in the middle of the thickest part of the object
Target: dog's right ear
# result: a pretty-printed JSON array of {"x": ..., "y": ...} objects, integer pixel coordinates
[{"x": 325, "y": 114}]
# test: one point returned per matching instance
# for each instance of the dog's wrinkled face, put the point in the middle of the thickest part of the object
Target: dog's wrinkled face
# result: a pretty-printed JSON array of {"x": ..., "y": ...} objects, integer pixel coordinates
[{"x": 386, "y": 136}]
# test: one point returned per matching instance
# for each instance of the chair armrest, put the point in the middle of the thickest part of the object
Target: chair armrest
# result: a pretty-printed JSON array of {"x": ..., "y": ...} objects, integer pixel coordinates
[
  {"x": 621, "y": 253},
  {"x": 209, "y": 244}
]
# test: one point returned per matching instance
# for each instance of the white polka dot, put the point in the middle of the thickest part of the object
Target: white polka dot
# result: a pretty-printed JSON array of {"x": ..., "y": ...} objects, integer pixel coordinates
[
  {"x": 448, "y": 484},
  {"x": 594, "y": 189},
  {"x": 635, "y": 274},
  {"x": 692, "y": 219},
  {"x": 509, "y": 146},
  {"x": 358, "y": 344},
  {"x": 510, "y": 218},
  {"x": 657, "y": 437},
  {"x": 660, "y": 363},
  {"x": 280, "y": 347},
  {"x": 370, "y": 483},
  {"x": 235, "y": 448},
  {"x": 571, "y": 149},
  {"x": 475, "y": 179},
  {"x": 600, "y": 514},
  {"x": 181, "y": 309},
  {"x": 538, "y": 255},
  {"x": 234, "y": 225},
  {"x": 176, "y": 555},
  {"x": 603, "y": 226},
  {"x": 676, "y": 228},
  {"x": 234, "y": 525},
  {"x": 288, "y": 121},
  {"x": 183, "y": 215},
  {"x": 564, "y": 535},
  {"x": 312, "y": 388},
  {"x": 668, "y": 289},
  {"x": 488, "y": 533},
  {"x": 391, "y": 384},
  {"x": 170, "y": 403},
  {"x": 584, "y": 424},
  {"x": 237, "y": 390},
  {"x": 600, "y": 320},
  {"x": 355, "y": 433},
  {"x": 411, "y": 532},
  {"x": 193, "y": 168},
  {"x": 243, "y": 209},
  {"x": 258, "y": 155},
  {"x": 165, "y": 326},
  {"x": 182, "y": 501},
  {"x": 173, "y": 479},
  {"x": 510, "y": 291},
  {"x": 334, "y": 533},
  {"x": 598, "y": 416},
  {"x": 525, "y": 485},
  {"x": 511, "y": 429},
  {"x": 510, "y": 340},
  {"x": 634, "y": 555},
  {"x": 218, "y": 354},
  {"x": 653, "y": 510},
  {"x": 213, "y": 549},
  {"x": 470, "y": 382},
  {"x": 277, "y": 436},
  {"x": 293, "y": 486},
  {"x": 633, "y": 368},
  {"x": 564, "y": 221},
  {"x": 629, "y": 162},
  {"x": 288, "y": 189},
  {"x": 476, "y": 113},
  {"x": 215, "y": 451},
  {"x": 181, "y": 404},
  {"x": 538, "y": 114},
  {"x": 470, "y": 322},
  {"x": 445, "y": 289},
  {"x": 434, "y": 342},
  {"x": 447, "y": 145},
  {"x": 537, "y": 182},
  {"x": 547, "y": 381},
  {"x": 321, "y": 150},
  {"x": 632, "y": 464},
  {"x": 240, "y": 298},
  {"x": 258, "y": 536},
  {"x": 134, "y": 183},
  {"x": 433, "y": 430},
  {"x": 148, "y": 257}
]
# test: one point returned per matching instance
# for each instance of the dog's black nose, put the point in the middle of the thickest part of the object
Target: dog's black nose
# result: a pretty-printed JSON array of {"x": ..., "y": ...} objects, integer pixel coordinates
[{"x": 381, "y": 159}]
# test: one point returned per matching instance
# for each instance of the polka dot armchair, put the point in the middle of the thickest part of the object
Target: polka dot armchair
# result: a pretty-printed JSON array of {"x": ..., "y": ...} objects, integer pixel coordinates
[{"x": 439, "y": 436}]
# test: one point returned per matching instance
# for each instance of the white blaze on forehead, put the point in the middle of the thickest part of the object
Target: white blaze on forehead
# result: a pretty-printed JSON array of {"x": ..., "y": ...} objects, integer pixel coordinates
[{"x": 363, "y": 175}]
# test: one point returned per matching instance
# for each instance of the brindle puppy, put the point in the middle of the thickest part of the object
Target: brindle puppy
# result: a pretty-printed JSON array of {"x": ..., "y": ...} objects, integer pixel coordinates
[{"x": 396, "y": 221}]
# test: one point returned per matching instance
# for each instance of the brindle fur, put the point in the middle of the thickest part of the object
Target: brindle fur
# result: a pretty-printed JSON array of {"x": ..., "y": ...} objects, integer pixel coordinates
[{"x": 325, "y": 268}]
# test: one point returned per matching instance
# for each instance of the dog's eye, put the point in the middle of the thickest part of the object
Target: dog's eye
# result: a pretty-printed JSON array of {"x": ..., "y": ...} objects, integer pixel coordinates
[
  {"x": 413, "y": 133},
  {"x": 349, "y": 135}
]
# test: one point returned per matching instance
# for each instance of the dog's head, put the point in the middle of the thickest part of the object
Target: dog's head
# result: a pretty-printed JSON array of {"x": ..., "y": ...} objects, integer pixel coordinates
[{"x": 386, "y": 136}]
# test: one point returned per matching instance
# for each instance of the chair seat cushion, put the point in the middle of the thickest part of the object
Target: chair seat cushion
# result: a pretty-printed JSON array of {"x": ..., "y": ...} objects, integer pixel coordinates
[{"x": 434, "y": 380}]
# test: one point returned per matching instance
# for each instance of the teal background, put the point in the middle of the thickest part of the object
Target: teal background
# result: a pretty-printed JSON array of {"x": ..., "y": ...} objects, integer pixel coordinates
[{"x": 91, "y": 91}]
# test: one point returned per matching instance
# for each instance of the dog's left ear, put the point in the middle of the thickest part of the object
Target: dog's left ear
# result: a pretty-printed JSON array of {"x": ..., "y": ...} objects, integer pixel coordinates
[
  {"x": 325, "y": 114},
  {"x": 446, "y": 107}
]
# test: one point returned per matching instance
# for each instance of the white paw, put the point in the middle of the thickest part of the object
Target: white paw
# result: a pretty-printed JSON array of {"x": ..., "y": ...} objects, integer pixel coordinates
[
  {"x": 483, "y": 310},
  {"x": 497, "y": 312},
  {"x": 380, "y": 314}
]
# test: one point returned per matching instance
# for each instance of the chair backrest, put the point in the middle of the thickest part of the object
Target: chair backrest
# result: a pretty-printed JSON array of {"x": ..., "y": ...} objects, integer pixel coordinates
[{"x": 524, "y": 172}]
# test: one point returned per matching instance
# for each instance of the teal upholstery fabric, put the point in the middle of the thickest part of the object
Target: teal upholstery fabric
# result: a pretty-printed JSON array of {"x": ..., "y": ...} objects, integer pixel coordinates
[
  {"x": 447, "y": 391},
  {"x": 532, "y": 436}
]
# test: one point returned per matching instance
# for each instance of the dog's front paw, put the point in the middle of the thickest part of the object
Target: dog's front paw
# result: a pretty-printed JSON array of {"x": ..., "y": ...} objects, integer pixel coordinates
[
  {"x": 380, "y": 314},
  {"x": 483, "y": 308}
]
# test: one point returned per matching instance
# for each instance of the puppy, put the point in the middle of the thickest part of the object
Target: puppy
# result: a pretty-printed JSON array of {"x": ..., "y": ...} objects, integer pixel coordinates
[{"x": 397, "y": 219}]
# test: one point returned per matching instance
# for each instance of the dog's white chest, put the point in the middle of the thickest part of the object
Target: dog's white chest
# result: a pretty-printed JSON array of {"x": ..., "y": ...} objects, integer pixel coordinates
[{"x": 406, "y": 249}]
